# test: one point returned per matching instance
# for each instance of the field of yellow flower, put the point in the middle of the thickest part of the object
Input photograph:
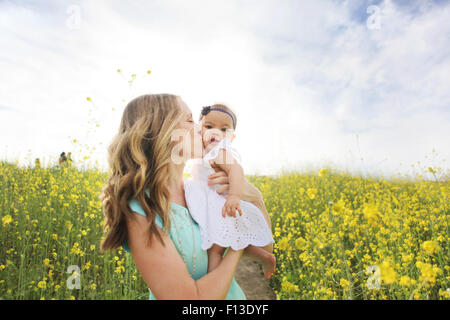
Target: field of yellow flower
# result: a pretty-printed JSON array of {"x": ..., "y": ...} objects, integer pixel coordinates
[
  {"x": 51, "y": 219},
  {"x": 337, "y": 237},
  {"x": 344, "y": 237}
]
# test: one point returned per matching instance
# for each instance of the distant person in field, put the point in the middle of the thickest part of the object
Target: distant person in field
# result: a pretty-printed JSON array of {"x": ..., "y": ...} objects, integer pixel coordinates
[
  {"x": 145, "y": 205},
  {"x": 226, "y": 221},
  {"x": 62, "y": 159},
  {"x": 69, "y": 159}
]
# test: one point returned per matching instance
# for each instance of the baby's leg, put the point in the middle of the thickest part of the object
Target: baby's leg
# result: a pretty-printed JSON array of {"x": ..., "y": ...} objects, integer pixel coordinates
[
  {"x": 262, "y": 255},
  {"x": 215, "y": 254},
  {"x": 268, "y": 248}
]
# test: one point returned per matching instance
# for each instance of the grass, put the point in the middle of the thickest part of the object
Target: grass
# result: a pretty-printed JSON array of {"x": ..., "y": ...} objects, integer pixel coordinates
[{"x": 330, "y": 229}]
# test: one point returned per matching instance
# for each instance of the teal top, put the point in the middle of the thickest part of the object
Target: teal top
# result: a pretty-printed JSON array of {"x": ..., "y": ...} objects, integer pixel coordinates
[{"x": 181, "y": 221}]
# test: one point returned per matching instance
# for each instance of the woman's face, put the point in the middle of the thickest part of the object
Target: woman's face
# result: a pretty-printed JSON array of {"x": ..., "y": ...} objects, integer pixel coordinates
[{"x": 190, "y": 132}]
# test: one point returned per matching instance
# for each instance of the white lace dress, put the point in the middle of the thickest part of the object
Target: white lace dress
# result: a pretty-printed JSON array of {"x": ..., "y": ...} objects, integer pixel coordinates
[{"x": 205, "y": 206}]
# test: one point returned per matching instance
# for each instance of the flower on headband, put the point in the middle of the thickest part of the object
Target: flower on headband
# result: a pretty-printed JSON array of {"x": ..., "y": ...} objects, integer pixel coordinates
[{"x": 206, "y": 110}]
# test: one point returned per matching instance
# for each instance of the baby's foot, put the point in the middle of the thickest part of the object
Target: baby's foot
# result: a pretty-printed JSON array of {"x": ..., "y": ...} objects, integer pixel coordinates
[{"x": 268, "y": 263}]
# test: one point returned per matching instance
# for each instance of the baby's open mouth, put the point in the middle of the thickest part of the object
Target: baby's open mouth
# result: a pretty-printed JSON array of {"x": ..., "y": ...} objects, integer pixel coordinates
[{"x": 213, "y": 140}]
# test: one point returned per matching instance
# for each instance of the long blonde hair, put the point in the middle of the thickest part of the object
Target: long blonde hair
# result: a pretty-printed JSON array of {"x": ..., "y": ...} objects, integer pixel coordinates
[{"x": 139, "y": 158}]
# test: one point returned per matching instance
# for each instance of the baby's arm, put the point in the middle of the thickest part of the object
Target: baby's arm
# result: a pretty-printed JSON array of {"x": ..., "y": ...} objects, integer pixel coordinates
[{"x": 235, "y": 173}]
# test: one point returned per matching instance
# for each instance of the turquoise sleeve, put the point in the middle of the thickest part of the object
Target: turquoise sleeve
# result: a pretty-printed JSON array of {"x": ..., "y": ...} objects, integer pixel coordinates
[{"x": 136, "y": 207}]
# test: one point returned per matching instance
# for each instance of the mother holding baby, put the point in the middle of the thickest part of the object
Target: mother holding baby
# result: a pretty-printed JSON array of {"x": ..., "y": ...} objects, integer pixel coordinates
[{"x": 145, "y": 206}]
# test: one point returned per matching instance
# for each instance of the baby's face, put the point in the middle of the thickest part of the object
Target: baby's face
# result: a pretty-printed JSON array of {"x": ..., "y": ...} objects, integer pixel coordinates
[{"x": 216, "y": 125}]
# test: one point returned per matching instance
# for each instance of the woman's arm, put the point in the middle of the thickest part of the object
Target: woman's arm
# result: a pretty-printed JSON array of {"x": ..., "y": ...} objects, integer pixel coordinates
[
  {"x": 165, "y": 273},
  {"x": 250, "y": 192}
]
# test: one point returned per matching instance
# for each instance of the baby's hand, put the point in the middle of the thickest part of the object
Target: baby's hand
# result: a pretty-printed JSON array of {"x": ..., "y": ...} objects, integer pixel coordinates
[{"x": 231, "y": 205}]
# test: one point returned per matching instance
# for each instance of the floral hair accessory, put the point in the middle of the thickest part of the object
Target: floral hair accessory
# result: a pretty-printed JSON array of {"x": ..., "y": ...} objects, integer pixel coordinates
[{"x": 206, "y": 110}]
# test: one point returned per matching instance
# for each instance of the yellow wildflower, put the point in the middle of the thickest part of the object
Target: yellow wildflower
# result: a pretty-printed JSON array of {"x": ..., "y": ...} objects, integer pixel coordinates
[
  {"x": 387, "y": 272},
  {"x": 283, "y": 244},
  {"x": 428, "y": 272},
  {"x": 312, "y": 192},
  {"x": 431, "y": 247},
  {"x": 7, "y": 219},
  {"x": 344, "y": 283},
  {"x": 371, "y": 213},
  {"x": 288, "y": 287},
  {"x": 338, "y": 207},
  {"x": 87, "y": 265},
  {"x": 300, "y": 243},
  {"x": 322, "y": 172},
  {"x": 405, "y": 281},
  {"x": 42, "y": 284}
]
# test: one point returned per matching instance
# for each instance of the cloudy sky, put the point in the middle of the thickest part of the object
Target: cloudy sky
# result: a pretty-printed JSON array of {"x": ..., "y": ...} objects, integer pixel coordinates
[{"x": 313, "y": 83}]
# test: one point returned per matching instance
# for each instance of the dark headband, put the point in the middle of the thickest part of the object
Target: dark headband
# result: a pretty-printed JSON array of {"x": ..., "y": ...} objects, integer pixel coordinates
[{"x": 207, "y": 109}]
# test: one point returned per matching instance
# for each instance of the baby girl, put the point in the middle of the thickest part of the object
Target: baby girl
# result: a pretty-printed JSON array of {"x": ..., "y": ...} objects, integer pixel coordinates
[{"x": 225, "y": 221}]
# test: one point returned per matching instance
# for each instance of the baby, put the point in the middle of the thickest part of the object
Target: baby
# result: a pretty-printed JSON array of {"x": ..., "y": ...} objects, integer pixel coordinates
[{"x": 226, "y": 222}]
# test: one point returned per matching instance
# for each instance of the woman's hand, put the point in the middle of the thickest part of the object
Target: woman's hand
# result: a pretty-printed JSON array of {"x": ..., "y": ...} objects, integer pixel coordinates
[{"x": 251, "y": 193}]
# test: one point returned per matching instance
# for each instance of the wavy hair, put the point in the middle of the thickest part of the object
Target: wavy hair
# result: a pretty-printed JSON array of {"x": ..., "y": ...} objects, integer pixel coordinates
[{"x": 139, "y": 158}]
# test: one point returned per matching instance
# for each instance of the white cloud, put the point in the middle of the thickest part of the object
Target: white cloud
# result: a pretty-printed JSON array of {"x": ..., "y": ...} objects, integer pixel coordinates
[{"x": 303, "y": 77}]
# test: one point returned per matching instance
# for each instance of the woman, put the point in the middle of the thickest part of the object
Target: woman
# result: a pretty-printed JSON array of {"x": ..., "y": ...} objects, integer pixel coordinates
[{"x": 145, "y": 208}]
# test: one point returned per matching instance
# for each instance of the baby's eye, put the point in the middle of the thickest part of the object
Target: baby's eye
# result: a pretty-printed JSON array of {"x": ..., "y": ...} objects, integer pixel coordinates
[
  {"x": 224, "y": 129},
  {"x": 208, "y": 127}
]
